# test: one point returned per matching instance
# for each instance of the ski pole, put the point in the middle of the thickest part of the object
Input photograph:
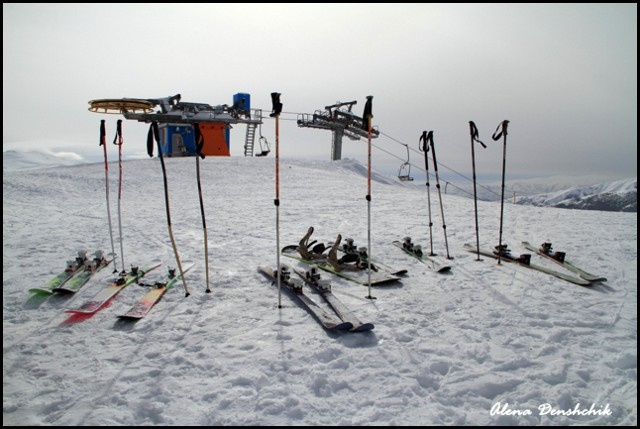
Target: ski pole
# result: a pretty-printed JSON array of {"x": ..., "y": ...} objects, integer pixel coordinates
[
  {"x": 424, "y": 139},
  {"x": 367, "y": 125},
  {"x": 435, "y": 167},
  {"x": 117, "y": 140},
  {"x": 199, "y": 145},
  {"x": 154, "y": 133},
  {"x": 500, "y": 132},
  {"x": 103, "y": 143},
  {"x": 276, "y": 109},
  {"x": 475, "y": 138}
]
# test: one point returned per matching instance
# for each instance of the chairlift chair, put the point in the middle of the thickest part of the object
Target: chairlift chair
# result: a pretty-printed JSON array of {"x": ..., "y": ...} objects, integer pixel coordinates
[
  {"x": 264, "y": 144},
  {"x": 404, "y": 173}
]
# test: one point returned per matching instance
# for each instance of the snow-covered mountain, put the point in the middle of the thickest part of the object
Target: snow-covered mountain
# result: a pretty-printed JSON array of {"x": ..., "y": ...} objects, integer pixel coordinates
[
  {"x": 481, "y": 345},
  {"x": 619, "y": 196}
]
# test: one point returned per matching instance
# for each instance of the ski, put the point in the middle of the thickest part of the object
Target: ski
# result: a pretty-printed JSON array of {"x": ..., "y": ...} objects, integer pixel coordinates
[
  {"x": 158, "y": 289},
  {"x": 524, "y": 261},
  {"x": 73, "y": 267},
  {"x": 349, "y": 248},
  {"x": 558, "y": 258},
  {"x": 416, "y": 251},
  {"x": 360, "y": 276},
  {"x": 312, "y": 278},
  {"x": 124, "y": 279},
  {"x": 90, "y": 269},
  {"x": 294, "y": 287},
  {"x": 350, "y": 266}
]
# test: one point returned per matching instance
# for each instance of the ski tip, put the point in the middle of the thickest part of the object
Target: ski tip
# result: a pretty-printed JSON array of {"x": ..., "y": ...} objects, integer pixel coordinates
[
  {"x": 44, "y": 292},
  {"x": 128, "y": 318},
  {"x": 345, "y": 326},
  {"x": 293, "y": 248},
  {"x": 76, "y": 311},
  {"x": 365, "y": 327}
]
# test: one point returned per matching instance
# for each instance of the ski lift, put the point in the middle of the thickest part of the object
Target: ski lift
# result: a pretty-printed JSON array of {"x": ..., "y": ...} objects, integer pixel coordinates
[
  {"x": 404, "y": 173},
  {"x": 264, "y": 145}
]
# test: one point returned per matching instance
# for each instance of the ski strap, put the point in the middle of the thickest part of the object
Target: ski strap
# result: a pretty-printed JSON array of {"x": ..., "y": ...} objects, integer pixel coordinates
[
  {"x": 154, "y": 132},
  {"x": 502, "y": 129},
  {"x": 425, "y": 139},
  {"x": 199, "y": 139},
  {"x": 474, "y": 134}
]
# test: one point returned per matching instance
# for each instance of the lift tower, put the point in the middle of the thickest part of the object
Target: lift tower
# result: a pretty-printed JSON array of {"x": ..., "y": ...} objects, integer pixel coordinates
[{"x": 341, "y": 121}]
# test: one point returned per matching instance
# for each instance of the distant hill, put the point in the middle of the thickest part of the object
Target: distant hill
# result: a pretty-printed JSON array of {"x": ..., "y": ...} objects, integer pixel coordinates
[
  {"x": 21, "y": 160},
  {"x": 621, "y": 195},
  {"x": 618, "y": 196}
]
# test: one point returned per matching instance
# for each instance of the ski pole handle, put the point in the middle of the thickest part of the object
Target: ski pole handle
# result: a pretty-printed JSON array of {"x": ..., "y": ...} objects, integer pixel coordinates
[
  {"x": 474, "y": 134},
  {"x": 502, "y": 129},
  {"x": 103, "y": 133},
  {"x": 117, "y": 139}
]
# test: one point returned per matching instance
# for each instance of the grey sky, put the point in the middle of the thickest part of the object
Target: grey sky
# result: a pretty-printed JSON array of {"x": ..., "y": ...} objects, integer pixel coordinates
[{"x": 564, "y": 75}]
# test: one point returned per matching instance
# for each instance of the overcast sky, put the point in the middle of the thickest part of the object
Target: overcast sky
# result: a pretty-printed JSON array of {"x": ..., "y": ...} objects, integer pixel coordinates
[{"x": 564, "y": 75}]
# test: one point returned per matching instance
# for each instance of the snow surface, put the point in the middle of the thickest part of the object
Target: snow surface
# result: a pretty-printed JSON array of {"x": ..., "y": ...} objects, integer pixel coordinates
[
  {"x": 446, "y": 349},
  {"x": 22, "y": 160}
]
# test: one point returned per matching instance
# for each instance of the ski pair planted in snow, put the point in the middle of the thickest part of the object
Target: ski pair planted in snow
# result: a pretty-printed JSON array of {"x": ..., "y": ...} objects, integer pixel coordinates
[{"x": 342, "y": 319}]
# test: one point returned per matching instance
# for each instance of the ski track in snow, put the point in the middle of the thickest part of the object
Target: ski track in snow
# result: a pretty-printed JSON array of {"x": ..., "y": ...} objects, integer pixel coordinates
[{"x": 445, "y": 349}]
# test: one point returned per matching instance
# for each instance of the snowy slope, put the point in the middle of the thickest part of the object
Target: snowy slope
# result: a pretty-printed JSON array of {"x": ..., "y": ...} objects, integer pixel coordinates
[
  {"x": 446, "y": 349},
  {"x": 21, "y": 160},
  {"x": 621, "y": 195}
]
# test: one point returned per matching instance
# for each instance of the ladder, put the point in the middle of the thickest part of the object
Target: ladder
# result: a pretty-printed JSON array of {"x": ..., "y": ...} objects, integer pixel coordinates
[{"x": 250, "y": 137}]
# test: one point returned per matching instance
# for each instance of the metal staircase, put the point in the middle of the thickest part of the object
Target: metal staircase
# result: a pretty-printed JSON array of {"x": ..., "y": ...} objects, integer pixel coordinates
[{"x": 250, "y": 137}]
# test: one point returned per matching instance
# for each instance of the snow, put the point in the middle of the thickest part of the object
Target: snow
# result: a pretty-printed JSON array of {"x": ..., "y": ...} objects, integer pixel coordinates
[
  {"x": 620, "y": 195},
  {"x": 482, "y": 345},
  {"x": 22, "y": 160}
]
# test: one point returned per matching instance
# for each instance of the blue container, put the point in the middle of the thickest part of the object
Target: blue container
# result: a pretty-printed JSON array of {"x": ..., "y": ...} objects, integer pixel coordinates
[
  {"x": 242, "y": 101},
  {"x": 177, "y": 140}
]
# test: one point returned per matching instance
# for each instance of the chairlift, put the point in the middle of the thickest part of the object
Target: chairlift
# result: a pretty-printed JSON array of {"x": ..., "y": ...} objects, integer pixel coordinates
[
  {"x": 404, "y": 173},
  {"x": 264, "y": 145}
]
